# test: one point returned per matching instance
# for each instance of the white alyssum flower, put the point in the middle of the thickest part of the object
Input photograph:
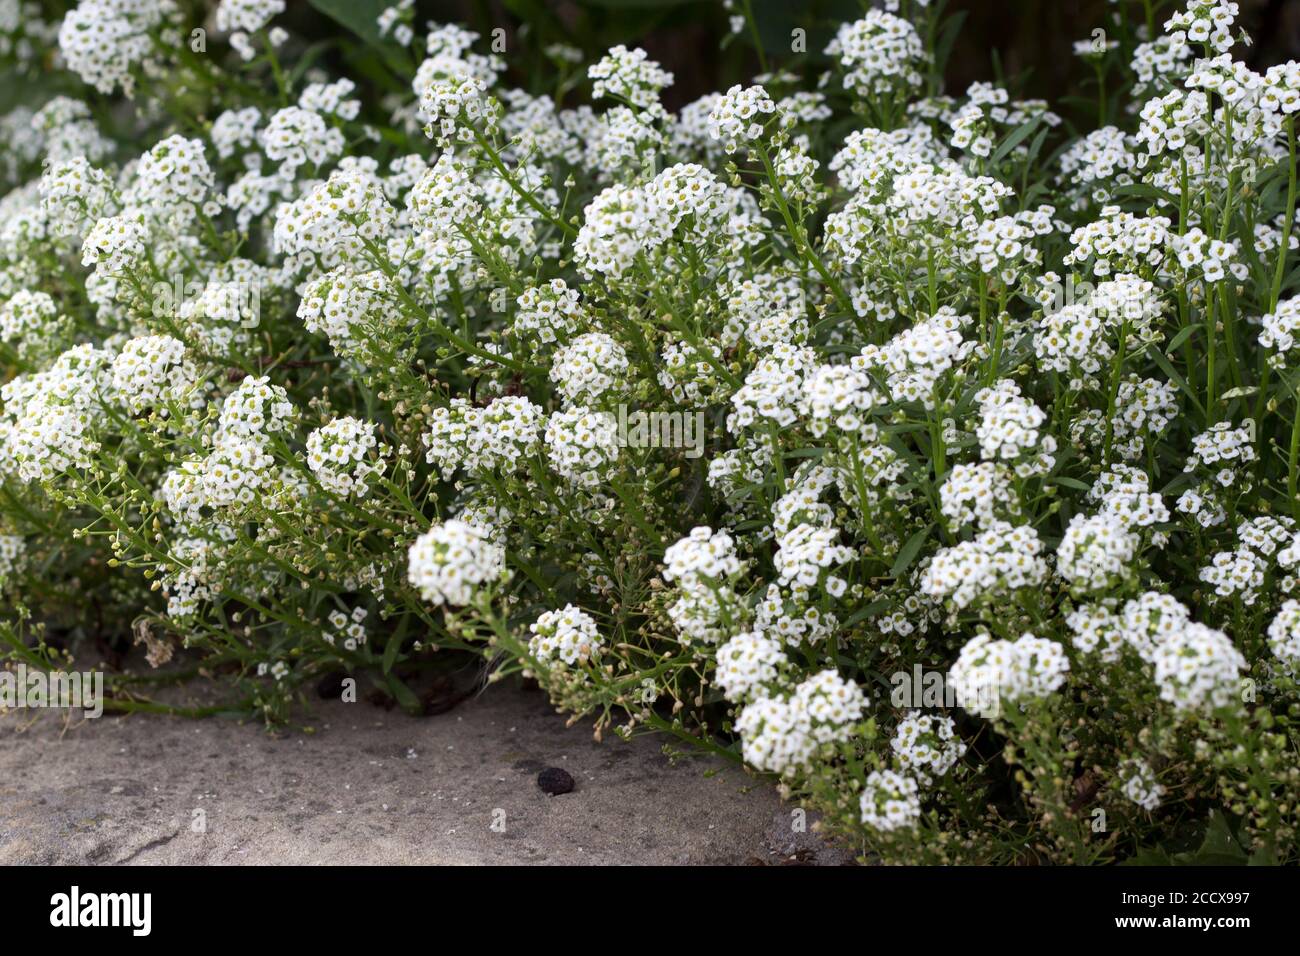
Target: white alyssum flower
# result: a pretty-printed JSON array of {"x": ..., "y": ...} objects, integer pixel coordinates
[
  {"x": 453, "y": 561},
  {"x": 502, "y": 436},
  {"x": 1096, "y": 553},
  {"x": 1284, "y": 636},
  {"x": 927, "y": 744},
  {"x": 589, "y": 369},
  {"x": 990, "y": 566},
  {"x": 739, "y": 116},
  {"x": 630, "y": 76},
  {"x": 783, "y": 734},
  {"x": 295, "y": 137},
  {"x": 878, "y": 53},
  {"x": 582, "y": 446},
  {"x": 748, "y": 663},
  {"x": 568, "y": 635},
  {"x": 76, "y": 194},
  {"x": 890, "y": 801},
  {"x": 153, "y": 372},
  {"x": 105, "y": 41},
  {"x": 1140, "y": 785},
  {"x": 978, "y": 494},
  {"x": 13, "y": 550},
  {"x": 1198, "y": 669},
  {"x": 114, "y": 244},
  {"x": 342, "y": 456},
  {"x": 988, "y": 671}
]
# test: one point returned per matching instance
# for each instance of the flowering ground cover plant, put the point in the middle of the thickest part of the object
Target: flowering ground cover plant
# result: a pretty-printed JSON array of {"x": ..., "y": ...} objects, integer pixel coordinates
[{"x": 917, "y": 448}]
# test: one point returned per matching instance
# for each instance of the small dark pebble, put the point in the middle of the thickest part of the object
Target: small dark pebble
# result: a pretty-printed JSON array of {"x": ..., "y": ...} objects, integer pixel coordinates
[{"x": 555, "y": 781}]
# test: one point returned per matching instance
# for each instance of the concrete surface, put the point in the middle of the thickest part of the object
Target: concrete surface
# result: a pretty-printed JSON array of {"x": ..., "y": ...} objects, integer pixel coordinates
[{"x": 376, "y": 786}]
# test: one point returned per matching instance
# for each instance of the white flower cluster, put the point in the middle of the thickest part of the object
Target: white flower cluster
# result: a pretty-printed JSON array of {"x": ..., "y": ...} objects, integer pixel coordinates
[
  {"x": 1279, "y": 330},
  {"x": 590, "y": 369},
  {"x": 1009, "y": 425},
  {"x": 349, "y": 308},
  {"x": 1198, "y": 669},
  {"x": 502, "y": 436},
  {"x": 104, "y": 41},
  {"x": 1204, "y": 21},
  {"x": 454, "y": 100},
  {"x": 890, "y": 801},
  {"x": 551, "y": 312},
  {"x": 13, "y": 550},
  {"x": 988, "y": 671},
  {"x": 978, "y": 495},
  {"x": 240, "y": 466},
  {"x": 991, "y": 566},
  {"x": 50, "y": 417},
  {"x": 1140, "y": 785},
  {"x": 1241, "y": 572},
  {"x": 335, "y": 221},
  {"x": 568, "y": 635},
  {"x": 75, "y": 195},
  {"x": 700, "y": 567},
  {"x": 153, "y": 372},
  {"x": 630, "y": 76},
  {"x": 295, "y": 137},
  {"x": 1120, "y": 242},
  {"x": 346, "y": 630},
  {"x": 1284, "y": 636},
  {"x": 582, "y": 446},
  {"x": 339, "y": 455},
  {"x": 30, "y": 322},
  {"x": 173, "y": 178},
  {"x": 114, "y": 244},
  {"x": 782, "y": 734},
  {"x": 739, "y": 117},
  {"x": 1096, "y": 554},
  {"x": 839, "y": 397},
  {"x": 878, "y": 53},
  {"x": 1078, "y": 337},
  {"x": 747, "y": 664},
  {"x": 915, "y": 360},
  {"x": 773, "y": 391},
  {"x": 451, "y": 561},
  {"x": 927, "y": 744}
]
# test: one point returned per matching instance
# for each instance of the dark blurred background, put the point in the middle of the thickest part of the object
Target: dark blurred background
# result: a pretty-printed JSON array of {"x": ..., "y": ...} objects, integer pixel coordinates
[
  {"x": 1030, "y": 40},
  {"x": 1026, "y": 43}
]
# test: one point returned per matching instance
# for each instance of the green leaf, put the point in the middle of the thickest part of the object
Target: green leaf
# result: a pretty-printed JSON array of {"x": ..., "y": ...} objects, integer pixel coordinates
[
  {"x": 807, "y": 453},
  {"x": 1183, "y": 335},
  {"x": 359, "y": 16},
  {"x": 308, "y": 58},
  {"x": 910, "y": 551},
  {"x": 862, "y": 613},
  {"x": 1219, "y": 848},
  {"x": 394, "y": 645},
  {"x": 405, "y": 698},
  {"x": 1167, "y": 367},
  {"x": 1017, "y": 136},
  {"x": 1036, "y": 147},
  {"x": 947, "y": 37},
  {"x": 1143, "y": 191},
  {"x": 1149, "y": 856},
  {"x": 390, "y": 652}
]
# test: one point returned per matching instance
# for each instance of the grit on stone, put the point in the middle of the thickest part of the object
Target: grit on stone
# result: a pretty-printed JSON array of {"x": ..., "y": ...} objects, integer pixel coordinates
[{"x": 375, "y": 786}]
